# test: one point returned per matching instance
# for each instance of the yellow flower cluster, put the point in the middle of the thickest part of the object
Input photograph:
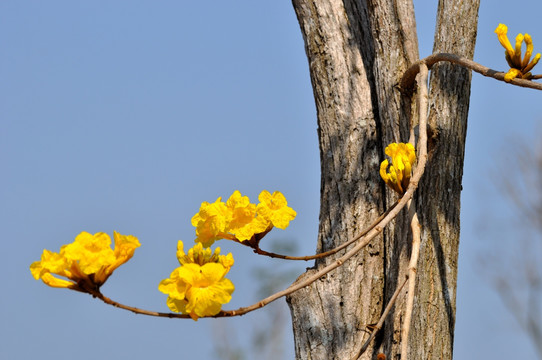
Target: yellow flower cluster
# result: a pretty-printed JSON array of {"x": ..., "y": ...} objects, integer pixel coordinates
[
  {"x": 519, "y": 67},
  {"x": 198, "y": 287},
  {"x": 86, "y": 263},
  {"x": 402, "y": 157},
  {"x": 239, "y": 219}
]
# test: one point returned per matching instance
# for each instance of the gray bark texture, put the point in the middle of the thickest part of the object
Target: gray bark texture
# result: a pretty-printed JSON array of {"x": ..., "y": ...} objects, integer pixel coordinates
[{"x": 358, "y": 51}]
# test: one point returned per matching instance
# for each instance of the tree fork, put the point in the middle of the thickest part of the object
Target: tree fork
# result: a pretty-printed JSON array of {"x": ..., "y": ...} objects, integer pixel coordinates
[{"x": 357, "y": 53}]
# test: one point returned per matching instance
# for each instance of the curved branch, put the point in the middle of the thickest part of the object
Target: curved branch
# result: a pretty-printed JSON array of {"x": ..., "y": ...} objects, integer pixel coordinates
[
  {"x": 412, "y": 268},
  {"x": 375, "y": 230},
  {"x": 407, "y": 82},
  {"x": 383, "y": 317},
  {"x": 259, "y": 251}
]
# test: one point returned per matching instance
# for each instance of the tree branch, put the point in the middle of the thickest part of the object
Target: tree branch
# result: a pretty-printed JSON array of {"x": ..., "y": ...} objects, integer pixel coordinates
[{"x": 407, "y": 81}]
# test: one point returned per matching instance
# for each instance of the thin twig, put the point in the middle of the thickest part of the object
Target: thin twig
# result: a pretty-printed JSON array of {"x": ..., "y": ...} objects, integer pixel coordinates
[
  {"x": 414, "y": 224},
  {"x": 108, "y": 301},
  {"x": 412, "y": 268},
  {"x": 259, "y": 251},
  {"x": 383, "y": 317}
]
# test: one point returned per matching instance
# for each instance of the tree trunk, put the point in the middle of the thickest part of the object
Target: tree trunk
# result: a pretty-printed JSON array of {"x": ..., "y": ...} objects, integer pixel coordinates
[{"x": 357, "y": 52}]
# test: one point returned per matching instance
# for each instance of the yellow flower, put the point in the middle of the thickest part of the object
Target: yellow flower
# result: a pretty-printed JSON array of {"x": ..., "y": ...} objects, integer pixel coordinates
[
  {"x": 211, "y": 222},
  {"x": 87, "y": 262},
  {"x": 199, "y": 255},
  {"x": 198, "y": 287},
  {"x": 244, "y": 223},
  {"x": 240, "y": 220},
  {"x": 512, "y": 74},
  {"x": 397, "y": 176},
  {"x": 275, "y": 209},
  {"x": 519, "y": 67},
  {"x": 501, "y": 32}
]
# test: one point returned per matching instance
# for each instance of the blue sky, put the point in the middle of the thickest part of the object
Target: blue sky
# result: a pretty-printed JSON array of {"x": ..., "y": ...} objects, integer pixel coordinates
[{"x": 127, "y": 115}]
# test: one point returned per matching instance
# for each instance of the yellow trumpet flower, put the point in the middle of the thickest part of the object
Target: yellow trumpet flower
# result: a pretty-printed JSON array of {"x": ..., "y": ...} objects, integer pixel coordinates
[
  {"x": 397, "y": 175},
  {"x": 519, "y": 67},
  {"x": 86, "y": 263}
]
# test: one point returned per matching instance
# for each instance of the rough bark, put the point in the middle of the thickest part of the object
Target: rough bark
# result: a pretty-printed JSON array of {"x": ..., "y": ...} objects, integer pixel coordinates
[{"x": 357, "y": 52}]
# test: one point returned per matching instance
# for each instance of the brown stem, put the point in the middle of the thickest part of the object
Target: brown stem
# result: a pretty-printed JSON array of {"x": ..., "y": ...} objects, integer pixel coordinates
[
  {"x": 383, "y": 317},
  {"x": 259, "y": 251},
  {"x": 412, "y": 268},
  {"x": 407, "y": 82}
]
